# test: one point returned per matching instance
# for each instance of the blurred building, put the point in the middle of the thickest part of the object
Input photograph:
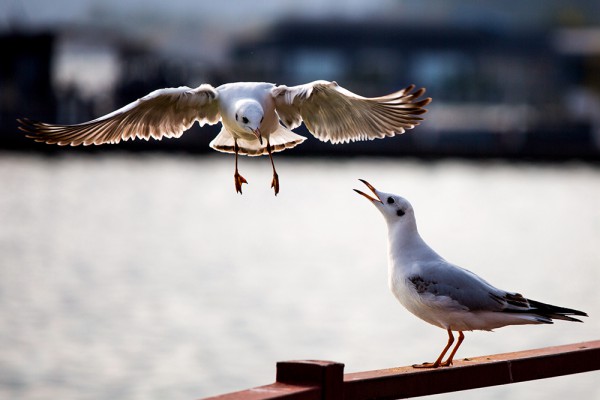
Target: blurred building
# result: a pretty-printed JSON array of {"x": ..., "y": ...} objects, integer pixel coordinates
[
  {"x": 25, "y": 78},
  {"x": 80, "y": 74},
  {"x": 497, "y": 93}
]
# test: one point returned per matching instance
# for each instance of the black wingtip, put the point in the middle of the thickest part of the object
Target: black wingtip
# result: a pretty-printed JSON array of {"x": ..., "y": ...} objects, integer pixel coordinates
[{"x": 556, "y": 312}]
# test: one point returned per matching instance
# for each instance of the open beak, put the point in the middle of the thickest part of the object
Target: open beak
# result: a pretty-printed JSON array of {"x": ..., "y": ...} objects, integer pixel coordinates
[
  {"x": 373, "y": 199},
  {"x": 258, "y": 135}
]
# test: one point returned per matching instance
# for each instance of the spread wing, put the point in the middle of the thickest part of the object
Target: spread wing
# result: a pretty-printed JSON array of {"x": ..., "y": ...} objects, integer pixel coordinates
[
  {"x": 332, "y": 113},
  {"x": 162, "y": 113}
]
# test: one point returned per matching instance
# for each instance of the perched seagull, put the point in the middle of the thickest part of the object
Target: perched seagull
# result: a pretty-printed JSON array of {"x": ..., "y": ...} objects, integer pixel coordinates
[
  {"x": 250, "y": 113},
  {"x": 444, "y": 294}
]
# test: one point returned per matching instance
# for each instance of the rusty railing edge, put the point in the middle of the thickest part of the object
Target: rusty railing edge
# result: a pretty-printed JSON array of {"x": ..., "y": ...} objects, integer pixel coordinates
[{"x": 325, "y": 380}]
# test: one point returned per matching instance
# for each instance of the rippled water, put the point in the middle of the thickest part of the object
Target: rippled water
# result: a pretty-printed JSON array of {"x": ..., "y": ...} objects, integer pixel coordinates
[{"x": 148, "y": 277}]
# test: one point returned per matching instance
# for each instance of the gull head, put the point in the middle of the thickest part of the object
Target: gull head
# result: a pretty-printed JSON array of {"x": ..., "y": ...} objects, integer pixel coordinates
[
  {"x": 395, "y": 209},
  {"x": 249, "y": 114}
]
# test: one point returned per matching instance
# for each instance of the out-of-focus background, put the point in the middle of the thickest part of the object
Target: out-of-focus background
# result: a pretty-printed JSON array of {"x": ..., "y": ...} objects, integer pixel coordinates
[
  {"x": 135, "y": 271},
  {"x": 509, "y": 79}
]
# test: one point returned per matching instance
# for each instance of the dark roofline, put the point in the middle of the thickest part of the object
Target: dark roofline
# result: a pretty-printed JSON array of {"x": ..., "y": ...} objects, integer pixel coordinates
[{"x": 352, "y": 34}]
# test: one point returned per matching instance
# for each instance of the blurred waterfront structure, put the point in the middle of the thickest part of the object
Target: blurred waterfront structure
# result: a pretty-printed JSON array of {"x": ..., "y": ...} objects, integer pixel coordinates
[
  {"x": 25, "y": 78},
  {"x": 497, "y": 93}
]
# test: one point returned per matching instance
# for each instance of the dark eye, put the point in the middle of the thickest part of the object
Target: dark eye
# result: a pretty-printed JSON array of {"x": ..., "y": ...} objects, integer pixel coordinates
[
  {"x": 236, "y": 117},
  {"x": 390, "y": 200},
  {"x": 399, "y": 213},
  {"x": 245, "y": 120},
  {"x": 261, "y": 120}
]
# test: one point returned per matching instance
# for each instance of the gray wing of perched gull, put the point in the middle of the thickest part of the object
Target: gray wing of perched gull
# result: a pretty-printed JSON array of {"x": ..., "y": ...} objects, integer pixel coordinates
[
  {"x": 162, "y": 113},
  {"x": 442, "y": 284},
  {"x": 332, "y": 113},
  {"x": 450, "y": 286}
]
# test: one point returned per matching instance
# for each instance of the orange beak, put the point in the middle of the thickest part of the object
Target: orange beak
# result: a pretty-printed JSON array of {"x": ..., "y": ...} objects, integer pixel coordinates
[
  {"x": 373, "y": 199},
  {"x": 258, "y": 135}
]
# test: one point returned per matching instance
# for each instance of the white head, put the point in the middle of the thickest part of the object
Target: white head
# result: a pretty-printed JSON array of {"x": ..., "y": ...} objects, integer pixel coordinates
[
  {"x": 396, "y": 210},
  {"x": 248, "y": 116}
]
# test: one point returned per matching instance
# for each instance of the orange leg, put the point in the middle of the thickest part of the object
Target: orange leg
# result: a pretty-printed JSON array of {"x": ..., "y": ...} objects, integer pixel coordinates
[
  {"x": 238, "y": 179},
  {"x": 275, "y": 181},
  {"x": 448, "y": 362},
  {"x": 438, "y": 362}
]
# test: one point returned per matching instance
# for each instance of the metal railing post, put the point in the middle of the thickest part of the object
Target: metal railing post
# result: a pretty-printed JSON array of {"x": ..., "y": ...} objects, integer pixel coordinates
[{"x": 327, "y": 375}]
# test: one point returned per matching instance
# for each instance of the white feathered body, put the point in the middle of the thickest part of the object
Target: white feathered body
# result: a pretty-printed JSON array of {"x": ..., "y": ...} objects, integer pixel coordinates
[
  {"x": 446, "y": 295},
  {"x": 279, "y": 137}
]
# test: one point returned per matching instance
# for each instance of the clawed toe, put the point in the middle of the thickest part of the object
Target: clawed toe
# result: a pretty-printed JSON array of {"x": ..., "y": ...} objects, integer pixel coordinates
[
  {"x": 426, "y": 365},
  {"x": 238, "y": 182},
  {"x": 275, "y": 183}
]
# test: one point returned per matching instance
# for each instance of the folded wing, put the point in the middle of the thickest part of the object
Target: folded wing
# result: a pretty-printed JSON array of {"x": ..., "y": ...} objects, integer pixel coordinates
[
  {"x": 332, "y": 113},
  {"x": 162, "y": 113}
]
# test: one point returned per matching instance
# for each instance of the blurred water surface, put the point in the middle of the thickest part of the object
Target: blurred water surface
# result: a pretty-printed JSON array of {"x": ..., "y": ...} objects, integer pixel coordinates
[{"x": 148, "y": 277}]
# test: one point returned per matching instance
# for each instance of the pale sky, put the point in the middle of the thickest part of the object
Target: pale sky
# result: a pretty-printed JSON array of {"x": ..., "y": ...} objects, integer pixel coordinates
[{"x": 242, "y": 12}]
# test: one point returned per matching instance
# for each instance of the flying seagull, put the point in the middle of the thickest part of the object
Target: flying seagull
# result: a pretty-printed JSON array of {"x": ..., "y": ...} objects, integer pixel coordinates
[
  {"x": 257, "y": 118},
  {"x": 444, "y": 294}
]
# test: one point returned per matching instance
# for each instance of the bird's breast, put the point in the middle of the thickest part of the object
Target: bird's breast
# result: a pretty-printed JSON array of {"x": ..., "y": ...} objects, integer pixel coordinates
[{"x": 400, "y": 286}]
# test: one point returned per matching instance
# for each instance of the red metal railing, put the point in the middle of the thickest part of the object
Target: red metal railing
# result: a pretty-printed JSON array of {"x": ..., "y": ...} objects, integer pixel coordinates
[{"x": 325, "y": 380}]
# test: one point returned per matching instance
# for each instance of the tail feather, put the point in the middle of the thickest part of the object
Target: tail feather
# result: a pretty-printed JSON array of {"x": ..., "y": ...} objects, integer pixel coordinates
[
  {"x": 223, "y": 142},
  {"x": 545, "y": 313},
  {"x": 284, "y": 138},
  {"x": 556, "y": 312},
  {"x": 279, "y": 140}
]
